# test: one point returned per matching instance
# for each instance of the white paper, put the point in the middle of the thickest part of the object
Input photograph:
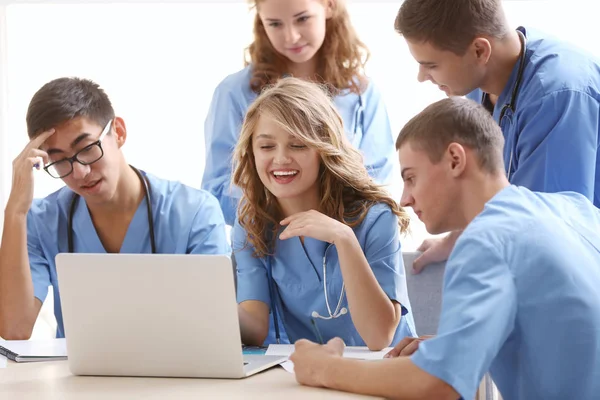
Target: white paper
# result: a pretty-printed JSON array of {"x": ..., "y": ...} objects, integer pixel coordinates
[
  {"x": 357, "y": 352},
  {"x": 288, "y": 366},
  {"x": 360, "y": 353},
  {"x": 4, "y": 360}
]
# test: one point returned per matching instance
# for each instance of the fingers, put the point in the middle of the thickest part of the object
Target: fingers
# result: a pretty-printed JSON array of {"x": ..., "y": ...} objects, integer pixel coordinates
[
  {"x": 302, "y": 343},
  {"x": 291, "y": 231},
  {"x": 41, "y": 156},
  {"x": 407, "y": 346},
  {"x": 411, "y": 348},
  {"x": 37, "y": 141},
  {"x": 297, "y": 216},
  {"x": 292, "y": 218},
  {"x": 421, "y": 262},
  {"x": 395, "y": 352},
  {"x": 36, "y": 162},
  {"x": 424, "y": 245},
  {"x": 337, "y": 344}
]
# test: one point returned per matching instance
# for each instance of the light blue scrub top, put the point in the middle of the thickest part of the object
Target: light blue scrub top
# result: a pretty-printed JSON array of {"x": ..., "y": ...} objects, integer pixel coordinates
[
  {"x": 521, "y": 298},
  {"x": 186, "y": 221},
  {"x": 367, "y": 127},
  {"x": 298, "y": 275},
  {"x": 554, "y": 135}
]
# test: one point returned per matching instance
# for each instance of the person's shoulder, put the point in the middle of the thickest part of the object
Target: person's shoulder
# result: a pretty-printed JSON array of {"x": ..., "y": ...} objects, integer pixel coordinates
[
  {"x": 503, "y": 217},
  {"x": 370, "y": 87},
  {"x": 236, "y": 82},
  {"x": 517, "y": 216},
  {"x": 557, "y": 66},
  {"x": 380, "y": 214},
  {"x": 175, "y": 193},
  {"x": 51, "y": 204}
]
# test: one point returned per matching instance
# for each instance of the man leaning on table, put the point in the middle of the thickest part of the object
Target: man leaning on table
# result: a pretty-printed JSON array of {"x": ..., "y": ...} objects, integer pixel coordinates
[{"x": 520, "y": 296}]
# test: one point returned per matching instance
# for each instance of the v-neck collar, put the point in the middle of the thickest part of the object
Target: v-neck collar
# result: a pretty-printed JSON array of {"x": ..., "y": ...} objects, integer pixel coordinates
[{"x": 136, "y": 238}]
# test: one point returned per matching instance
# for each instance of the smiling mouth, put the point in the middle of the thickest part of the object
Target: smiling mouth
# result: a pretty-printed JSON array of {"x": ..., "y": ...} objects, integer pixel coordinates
[
  {"x": 278, "y": 174},
  {"x": 284, "y": 177}
]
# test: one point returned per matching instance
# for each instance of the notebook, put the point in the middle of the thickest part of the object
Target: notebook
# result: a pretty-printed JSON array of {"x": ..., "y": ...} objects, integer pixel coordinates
[{"x": 34, "y": 350}]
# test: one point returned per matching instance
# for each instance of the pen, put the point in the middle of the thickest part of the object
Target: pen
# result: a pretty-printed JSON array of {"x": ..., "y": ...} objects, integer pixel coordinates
[{"x": 319, "y": 337}]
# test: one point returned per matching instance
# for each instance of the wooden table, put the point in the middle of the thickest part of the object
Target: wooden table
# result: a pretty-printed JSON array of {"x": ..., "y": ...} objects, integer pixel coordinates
[{"x": 53, "y": 380}]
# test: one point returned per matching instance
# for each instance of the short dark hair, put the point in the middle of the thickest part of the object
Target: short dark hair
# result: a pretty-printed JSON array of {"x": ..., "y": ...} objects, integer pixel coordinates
[
  {"x": 451, "y": 24},
  {"x": 456, "y": 120},
  {"x": 64, "y": 99}
]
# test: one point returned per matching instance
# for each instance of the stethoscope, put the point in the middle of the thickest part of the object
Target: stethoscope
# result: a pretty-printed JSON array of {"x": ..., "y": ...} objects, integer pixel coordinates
[
  {"x": 338, "y": 312},
  {"x": 512, "y": 104},
  {"x": 146, "y": 185},
  {"x": 358, "y": 120}
]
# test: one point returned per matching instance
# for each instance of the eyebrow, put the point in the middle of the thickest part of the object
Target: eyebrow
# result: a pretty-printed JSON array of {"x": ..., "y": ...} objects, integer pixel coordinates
[
  {"x": 74, "y": 143},
  {"x": 427, "y": 63},
  {"x": 295, "y": 16},
  {"x": 405, "y": 170},
  {"x": 264, "y": 136}
]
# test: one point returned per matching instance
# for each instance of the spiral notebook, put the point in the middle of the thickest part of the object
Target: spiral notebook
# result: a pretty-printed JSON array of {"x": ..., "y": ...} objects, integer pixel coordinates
[{"x": 34, "y": 350}]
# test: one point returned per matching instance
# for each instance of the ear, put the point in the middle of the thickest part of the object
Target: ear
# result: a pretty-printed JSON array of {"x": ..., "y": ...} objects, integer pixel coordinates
[
  {"x": 457, "y": 159},
  {"x": 482, "y": 49},
  {"x": 329, "y": 7},
  {"x": 120, "y": 131}
]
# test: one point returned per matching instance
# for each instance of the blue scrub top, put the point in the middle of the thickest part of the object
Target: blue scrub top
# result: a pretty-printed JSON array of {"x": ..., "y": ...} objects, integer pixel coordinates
[
  {"x": 186, "y": 221},
  {"x": 553, "y": 136},
  {"x": 521, "y": 299},
  {"x": 298, "y": 276},
  {"x": 367, "y": 127}
]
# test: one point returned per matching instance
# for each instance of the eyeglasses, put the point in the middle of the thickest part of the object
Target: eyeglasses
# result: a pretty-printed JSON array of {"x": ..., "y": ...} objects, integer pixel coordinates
[{"x": 86, "y": 156}]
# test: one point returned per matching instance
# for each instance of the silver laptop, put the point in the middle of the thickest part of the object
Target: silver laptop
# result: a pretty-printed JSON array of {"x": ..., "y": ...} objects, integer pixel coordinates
[{"x": 153, "y": 315}]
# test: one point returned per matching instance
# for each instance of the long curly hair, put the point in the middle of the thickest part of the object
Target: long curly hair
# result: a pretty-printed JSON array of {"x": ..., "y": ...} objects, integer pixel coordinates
[
  {"x": 341, "y": 58},
  {"x": 346, "y": 190}
]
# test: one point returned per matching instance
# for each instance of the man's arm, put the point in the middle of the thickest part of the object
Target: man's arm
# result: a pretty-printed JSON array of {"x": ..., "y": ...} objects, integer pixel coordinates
[
  {"x": 394, "y": 378},
  {"x": 18, "y": 306},
  {"x": 479, "y": 310}
]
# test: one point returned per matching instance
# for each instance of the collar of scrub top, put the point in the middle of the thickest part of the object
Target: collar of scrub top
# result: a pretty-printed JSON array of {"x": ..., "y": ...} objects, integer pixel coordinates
[
  {"x": 145, "y": 184},
  {"x": 511, "y": 106},
  {"x": 338, "y": 312}
]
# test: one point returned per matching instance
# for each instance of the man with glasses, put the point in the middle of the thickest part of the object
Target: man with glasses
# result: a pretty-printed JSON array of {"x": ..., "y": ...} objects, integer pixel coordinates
[{"x": 106, "y": 206}]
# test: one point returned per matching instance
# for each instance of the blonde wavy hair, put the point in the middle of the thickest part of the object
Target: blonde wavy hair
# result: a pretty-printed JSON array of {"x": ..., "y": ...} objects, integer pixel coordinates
[
  {"x": 341, "y": 58},
  {"x": 306, "y": 112}
]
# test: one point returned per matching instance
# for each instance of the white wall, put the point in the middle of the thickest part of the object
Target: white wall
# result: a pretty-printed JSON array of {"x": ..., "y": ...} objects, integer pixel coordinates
[
  {"x": 4, "y": 154},
  {"x": 160, "y": 62}
]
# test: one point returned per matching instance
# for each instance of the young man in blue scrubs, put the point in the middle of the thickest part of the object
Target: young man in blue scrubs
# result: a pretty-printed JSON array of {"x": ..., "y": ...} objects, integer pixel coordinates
[
  {"x": 106, "y": 206},
  {"x": 520, "y": 296},
  {"x": 544, "y": 93}
]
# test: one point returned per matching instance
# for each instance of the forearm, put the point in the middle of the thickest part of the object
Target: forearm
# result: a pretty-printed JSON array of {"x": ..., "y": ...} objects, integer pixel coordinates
[
  {"x": 17, "y": 302},
  {"x": 373, "y": 313},
  {"x": 396, "y": 378},
  {"x": 253, "y": 329}
]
